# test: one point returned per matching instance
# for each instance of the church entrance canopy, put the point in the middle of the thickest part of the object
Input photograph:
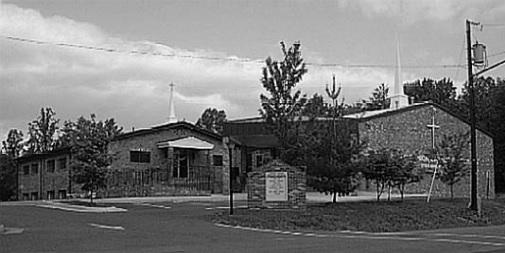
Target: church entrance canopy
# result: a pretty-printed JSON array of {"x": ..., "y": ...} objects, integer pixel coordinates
[{"x": 187, "y": 143}]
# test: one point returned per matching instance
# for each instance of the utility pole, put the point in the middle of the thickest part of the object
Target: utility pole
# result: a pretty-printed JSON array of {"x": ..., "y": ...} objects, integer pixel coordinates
[{"x": 473, "y": 152}]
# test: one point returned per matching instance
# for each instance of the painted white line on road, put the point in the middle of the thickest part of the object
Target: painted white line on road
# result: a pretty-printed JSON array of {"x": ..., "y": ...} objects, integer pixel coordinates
[
  {"x": 157, "y": 206},
  {"x": 106, "y": 226},
  {"x": 224, "y": 207},
  {"x": 363, "y": 235},
  {"x": 470, "y": 236}
]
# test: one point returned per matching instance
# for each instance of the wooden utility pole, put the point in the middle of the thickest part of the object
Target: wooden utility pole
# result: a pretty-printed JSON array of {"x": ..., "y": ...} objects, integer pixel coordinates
[{"x": 473, "y": 153}]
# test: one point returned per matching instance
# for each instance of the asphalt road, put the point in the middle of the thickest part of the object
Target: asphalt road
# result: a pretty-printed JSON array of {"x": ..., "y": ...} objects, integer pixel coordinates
[{"x": 181, "y": 227}]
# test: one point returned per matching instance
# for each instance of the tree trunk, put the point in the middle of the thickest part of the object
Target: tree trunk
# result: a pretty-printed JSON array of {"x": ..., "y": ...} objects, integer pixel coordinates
[
  {"x": 334, "y": 197},
  {"x": 91, "y": 197},
  {"x": 389, "y": 192},
  {"x": 452, "y": 191}
]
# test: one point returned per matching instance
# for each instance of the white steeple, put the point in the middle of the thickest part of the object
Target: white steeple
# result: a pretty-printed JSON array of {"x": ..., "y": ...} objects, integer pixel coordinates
[
  {"x": 171, "y": 117},
  {"x": 398, "y": 98}
]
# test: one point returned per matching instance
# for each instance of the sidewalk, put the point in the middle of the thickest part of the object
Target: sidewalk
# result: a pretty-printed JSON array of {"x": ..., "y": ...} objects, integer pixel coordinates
[{"x": 312, "y": 197}]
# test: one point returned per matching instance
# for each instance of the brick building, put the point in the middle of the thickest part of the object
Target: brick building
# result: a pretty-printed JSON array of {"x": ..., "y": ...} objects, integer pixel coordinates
[
  {"x": 416, "y": 129},
  {"x": 45, "y": 175},
  {"x": 171, "y": 159},
  {"x": 412, "y": 128}
]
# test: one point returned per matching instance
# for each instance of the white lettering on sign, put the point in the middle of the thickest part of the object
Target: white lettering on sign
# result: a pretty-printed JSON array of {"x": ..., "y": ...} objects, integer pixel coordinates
[
  {"x": 276, "y": 186},
  {"x": 427, "y": 163}
]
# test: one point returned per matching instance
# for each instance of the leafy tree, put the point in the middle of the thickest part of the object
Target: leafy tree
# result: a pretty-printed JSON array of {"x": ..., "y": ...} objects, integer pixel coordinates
[
  {"x": 89, "y": 139},
  {"x": 380, "y": 98},
  {"x": 315, "y": 107},
  {"x": 334, "y": 164},
  {"x": 406, "y": 171},
  {"x": 14, "y": 143},
  {"x": 452, "y": 160},
  {"x": 281, "y": 106},
  {"x": 333, "y": 154},
  {"x": 390, "y": 168},
  {"x": 441, "y": 92},
  {"x": 212, "y": 120},
  {"x": 41, "y": 132},
  {"x": 7, "y": 177}
]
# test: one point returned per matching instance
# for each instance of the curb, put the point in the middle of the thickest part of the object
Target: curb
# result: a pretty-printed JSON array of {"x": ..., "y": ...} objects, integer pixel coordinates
[{"x": 81, "y": 209}]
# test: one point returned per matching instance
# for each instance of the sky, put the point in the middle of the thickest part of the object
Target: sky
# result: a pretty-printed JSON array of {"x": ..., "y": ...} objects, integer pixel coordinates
[{"x": 116, "y": 58}]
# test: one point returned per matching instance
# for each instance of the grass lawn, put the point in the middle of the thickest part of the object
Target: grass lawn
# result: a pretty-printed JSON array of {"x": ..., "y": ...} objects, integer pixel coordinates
[{"x": 412, "y": 214}]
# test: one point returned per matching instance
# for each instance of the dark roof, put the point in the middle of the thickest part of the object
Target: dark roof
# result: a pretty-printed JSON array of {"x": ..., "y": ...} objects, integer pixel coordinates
[
  {"x": 367, "y": 115},
  {"x": 36, "y": 156},
  {"x": 179, "y": 124}
]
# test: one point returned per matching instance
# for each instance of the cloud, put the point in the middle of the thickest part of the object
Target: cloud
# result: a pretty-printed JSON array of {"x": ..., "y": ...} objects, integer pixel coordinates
[
  {"x": 412, "y": 11},
  {"x": 132, "y": 87}
]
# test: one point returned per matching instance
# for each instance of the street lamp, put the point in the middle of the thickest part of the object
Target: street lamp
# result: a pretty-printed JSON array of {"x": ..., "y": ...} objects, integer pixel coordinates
[{"x": 231, "y": 146}]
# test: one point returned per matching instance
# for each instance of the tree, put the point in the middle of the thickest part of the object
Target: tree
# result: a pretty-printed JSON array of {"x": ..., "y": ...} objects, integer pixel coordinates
[
  {"x": 380, "y": 98},
  {"x": 212, "y": 120},
  {"x": 333, "y": 154},
  {"x": 7, "y": 177},
  {"x": 89, "y": 139},
  {"x": 315, "y": 107},
  {"x": 452, "y": 160},
  {"x": 281, "y": 106},
  {"x": 14, "y": 143},
  {"x": 390, "y": 168},
  {"x": 41, "y": 132}
]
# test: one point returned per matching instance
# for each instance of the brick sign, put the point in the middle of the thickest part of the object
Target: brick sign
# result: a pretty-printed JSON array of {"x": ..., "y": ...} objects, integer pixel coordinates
[{"x": 276, "y": 186}]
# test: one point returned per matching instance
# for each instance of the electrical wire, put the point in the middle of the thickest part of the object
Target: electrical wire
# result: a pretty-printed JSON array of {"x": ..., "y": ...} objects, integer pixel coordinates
[{"x": 242, "y": 60}]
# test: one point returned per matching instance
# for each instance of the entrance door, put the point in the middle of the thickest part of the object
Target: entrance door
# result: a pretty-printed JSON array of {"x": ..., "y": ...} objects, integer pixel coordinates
[{"x": 181, "y": 163}]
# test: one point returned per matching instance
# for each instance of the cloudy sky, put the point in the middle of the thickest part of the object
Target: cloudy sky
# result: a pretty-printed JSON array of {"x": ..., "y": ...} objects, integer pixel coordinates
[{"x": 116, "y": 58}]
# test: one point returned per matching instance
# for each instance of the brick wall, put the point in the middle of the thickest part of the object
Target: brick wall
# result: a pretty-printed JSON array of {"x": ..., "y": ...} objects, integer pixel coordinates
[
  {"x": 161, "y": 160},
  {"x": 407, "y": 130},
  {"x": 256, "y": 197}
]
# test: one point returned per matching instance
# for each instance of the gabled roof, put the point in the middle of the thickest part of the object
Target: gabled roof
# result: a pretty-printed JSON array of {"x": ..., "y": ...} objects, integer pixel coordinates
[
  {"x": 367, "y": 115},
  {"x": 180, "y": 124}
]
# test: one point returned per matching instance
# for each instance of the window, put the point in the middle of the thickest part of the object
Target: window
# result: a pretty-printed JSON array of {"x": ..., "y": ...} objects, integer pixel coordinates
[
  {"x": 217, "y": 160},
  {"x": 26, "y": 170},
  {"x": 35, "y": 168},
  {"x": 62, "y": 164},
  {"x": 140, "y": 156},
  {"x": 51, "y": 164}
]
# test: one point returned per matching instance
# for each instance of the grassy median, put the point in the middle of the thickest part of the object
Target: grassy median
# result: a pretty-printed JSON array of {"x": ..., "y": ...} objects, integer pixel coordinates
[{"x": 409, "y": 215}]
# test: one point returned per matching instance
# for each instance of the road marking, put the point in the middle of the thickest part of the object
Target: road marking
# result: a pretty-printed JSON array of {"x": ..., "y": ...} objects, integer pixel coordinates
[
  {"x": 157, "y": 206},
  {"x": 224, "y": 207},
  {"x": 363, "y": 235},
  {"x": 106, "y": 227}
]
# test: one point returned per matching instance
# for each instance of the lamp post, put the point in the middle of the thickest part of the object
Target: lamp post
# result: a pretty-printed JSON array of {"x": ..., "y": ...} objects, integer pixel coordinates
[{"x": 231, "y": 146}]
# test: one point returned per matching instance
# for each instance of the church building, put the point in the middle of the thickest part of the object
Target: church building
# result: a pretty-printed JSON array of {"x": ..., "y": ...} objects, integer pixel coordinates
[
  {"x": 175, "y": 158},
  {"x": 414, "y": 128}
]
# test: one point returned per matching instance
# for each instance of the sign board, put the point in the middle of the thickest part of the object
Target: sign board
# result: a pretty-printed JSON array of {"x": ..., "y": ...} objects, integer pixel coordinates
[
  {"x": 276, "y": 186},
  {"x": 427, "y": 163}
]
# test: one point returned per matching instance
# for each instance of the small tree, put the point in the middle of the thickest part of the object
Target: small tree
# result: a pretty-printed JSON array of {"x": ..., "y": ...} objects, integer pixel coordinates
[
  {"x": 89, "y": 139},
  {"x": 452, "y": 160},
  {"x": 407, "y": 171},
  {"x": 212, "y": 120},
  {"x": 390, "y": 168},
  {"x": 282, "y": 106},
  {"x": 380, "y": 99},
  {"x": 42, "y": 132},
  {"x": 14, "y": 143},
  {"x": 7, "y": 177}
]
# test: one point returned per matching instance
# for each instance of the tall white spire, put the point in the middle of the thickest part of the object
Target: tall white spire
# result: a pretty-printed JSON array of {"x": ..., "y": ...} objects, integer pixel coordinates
[
  {"x": 171, "y": 117},
  {"x": 398, "y": 99}
]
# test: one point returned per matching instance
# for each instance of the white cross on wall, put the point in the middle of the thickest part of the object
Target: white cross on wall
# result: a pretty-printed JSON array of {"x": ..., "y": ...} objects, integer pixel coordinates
[{"x": 433, "y": 128}]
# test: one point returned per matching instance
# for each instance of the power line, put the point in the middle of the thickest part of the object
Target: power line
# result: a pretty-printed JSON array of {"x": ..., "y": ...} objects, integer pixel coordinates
[{"x": 173, "y": 55}]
